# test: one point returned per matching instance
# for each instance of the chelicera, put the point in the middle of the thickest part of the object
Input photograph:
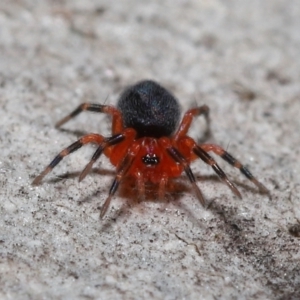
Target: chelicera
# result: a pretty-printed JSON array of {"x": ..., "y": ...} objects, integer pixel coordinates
[{"x": 147, "y": 143}]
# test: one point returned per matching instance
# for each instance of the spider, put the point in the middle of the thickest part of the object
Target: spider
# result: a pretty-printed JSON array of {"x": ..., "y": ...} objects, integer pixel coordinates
[{"x": 147, "y": 143}]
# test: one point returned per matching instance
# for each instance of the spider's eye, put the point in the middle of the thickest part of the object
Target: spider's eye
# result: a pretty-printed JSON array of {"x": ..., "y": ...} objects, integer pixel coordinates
[{"x": 150, "y": 159}]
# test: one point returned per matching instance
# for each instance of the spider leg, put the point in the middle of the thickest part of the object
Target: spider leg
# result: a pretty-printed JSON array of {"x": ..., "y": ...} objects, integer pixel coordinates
[
  {"x": 201, "y": 153},
  {"x": 188, "y": 118},
  {"x": 121, "y": 173},
  {"x": 140, "y": 185},
  {"x": 89, "y": 138},
  {"x": 162, "y": 186},
  {"x": 235, "y": 163},
  {"x": 178, "y": 157},
  {"x": 117, "y": 120},
  {"x": 105, "y": 143}
]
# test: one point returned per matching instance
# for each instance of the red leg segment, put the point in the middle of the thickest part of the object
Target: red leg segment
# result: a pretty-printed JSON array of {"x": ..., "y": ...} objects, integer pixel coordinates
[
  {"x": 162, "y": 186},
  {"x": 104, "y": 145},
  {"x": 117, "y": 120},
  {"x": 140, "y": 185},
  {"x": 89, "y": 138},
  {"x": 188, "y": 118}
]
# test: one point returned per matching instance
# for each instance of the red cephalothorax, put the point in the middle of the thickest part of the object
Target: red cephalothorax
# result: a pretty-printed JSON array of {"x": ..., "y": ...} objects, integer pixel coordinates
[{"x": 147, "y": 143}]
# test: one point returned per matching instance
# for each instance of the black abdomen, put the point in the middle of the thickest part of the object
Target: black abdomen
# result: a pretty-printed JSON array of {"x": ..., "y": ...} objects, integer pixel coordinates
[{"x": 150, "y": 109}]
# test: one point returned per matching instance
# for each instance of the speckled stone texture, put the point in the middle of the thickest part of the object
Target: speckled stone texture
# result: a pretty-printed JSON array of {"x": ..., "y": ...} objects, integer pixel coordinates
[{"x": 239, "y": 57}]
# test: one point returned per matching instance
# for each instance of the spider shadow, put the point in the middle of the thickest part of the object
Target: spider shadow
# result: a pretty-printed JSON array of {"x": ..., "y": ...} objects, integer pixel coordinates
[
  {"x": 175, "y": 191},
  {"x": 101, "y": 172},
  {"x": 75, "y": 175},
  {"x": 59, "y": 178},
  {"x": 206, "y": 136},
  {"x": 77, "y": 133},
  {"x": 128, "y": 193}
]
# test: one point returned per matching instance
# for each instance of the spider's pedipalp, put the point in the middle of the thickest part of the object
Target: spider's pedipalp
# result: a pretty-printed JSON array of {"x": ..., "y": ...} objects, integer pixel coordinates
[
  {"x": 106, "y": 143},
  {"x": 140, "y": 181},
  {"x": 235, "y": 163},
  {"x": 89, "y": 138},
  {"x": 162, "y": 186},
  {"x": 202, "y": 154}
]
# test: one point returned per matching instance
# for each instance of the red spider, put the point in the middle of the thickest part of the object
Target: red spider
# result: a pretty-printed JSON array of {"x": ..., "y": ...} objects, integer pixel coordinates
[{"x": 144, "y": 143}]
